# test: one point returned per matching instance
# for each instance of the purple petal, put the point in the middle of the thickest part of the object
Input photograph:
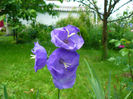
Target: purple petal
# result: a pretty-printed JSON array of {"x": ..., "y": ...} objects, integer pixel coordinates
[
  {"x": 63, "y": 38},
  {"x": 64, "y": 83},
  {"x": 63, "y": 77},
  {"x": 72, "y": 29},
  {"x": 60, "y": 40},
  {"x": 78, "y": 40},
  {"x": 40, "y": 56}
]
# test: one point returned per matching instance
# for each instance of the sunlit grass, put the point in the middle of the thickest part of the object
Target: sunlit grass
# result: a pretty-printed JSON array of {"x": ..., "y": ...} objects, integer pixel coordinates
[{"x": 17, "y": 73}]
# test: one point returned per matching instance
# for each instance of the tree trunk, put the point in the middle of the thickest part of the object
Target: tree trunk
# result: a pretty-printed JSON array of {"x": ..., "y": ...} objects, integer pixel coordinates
[
  {"x": 104, "y": 40},
  {"x": 104, "y": 34},
  {"x": 14, "y": 34}
]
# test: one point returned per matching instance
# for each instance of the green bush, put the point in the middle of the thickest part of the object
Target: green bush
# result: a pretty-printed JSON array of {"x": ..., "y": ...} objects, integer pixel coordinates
[
  {"x": 26, "y": 34},
  {"x": 39, "y": 31},
  {"x": 44, "y": 32},
  {"x": 118, "y": 31}
]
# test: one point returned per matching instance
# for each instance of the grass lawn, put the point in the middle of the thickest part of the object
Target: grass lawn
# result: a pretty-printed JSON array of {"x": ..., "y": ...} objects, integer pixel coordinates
[{"x": 22, "y": 82}]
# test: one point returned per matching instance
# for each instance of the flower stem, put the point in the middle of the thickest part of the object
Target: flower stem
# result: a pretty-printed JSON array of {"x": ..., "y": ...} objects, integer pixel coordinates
[
  {"x": 129, "y": 63},
  {"x": 58, "y": 93}
]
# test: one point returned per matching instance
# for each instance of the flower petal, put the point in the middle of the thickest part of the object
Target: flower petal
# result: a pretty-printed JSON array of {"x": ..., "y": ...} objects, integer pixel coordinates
[
  {"x": 71, "y": 29},
  {"x": 67, "y": 38},
  {"x": 63, "y": 77},
  {"x": 40, "y": 56}
]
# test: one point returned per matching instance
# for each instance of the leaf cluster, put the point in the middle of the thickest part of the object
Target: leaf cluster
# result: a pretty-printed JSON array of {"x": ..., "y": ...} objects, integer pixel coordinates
[{"x": 25, "y": 9}]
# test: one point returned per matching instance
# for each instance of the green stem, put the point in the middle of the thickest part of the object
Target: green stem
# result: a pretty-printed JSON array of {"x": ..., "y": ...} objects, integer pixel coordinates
[
  {"x": 58, "y": 93},
  {"x": 129, "y": 63}
]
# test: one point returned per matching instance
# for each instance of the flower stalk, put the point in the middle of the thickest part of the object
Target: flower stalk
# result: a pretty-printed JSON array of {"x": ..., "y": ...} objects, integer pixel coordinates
[
  {"x": 129, "y": 63},
  {"x": 58, "y": 93}
]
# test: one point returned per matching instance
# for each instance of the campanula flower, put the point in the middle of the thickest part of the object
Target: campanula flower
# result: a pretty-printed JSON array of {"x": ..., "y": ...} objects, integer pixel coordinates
[
  {"x": 67, "y": 38},
  {"x": 40, "y": 56},
  {"x": 62, "y": 65}
]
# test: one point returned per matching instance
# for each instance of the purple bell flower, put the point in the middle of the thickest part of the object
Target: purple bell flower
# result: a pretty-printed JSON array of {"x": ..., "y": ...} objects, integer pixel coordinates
[
  {"x": 62, "y": 65},
  {"x": 67, "y": 38},
  {"x": 40, "y": 56}
]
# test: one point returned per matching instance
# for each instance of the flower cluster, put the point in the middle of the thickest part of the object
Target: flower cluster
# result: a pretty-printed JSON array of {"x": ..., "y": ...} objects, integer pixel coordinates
[{"x": 63, "y": 62}]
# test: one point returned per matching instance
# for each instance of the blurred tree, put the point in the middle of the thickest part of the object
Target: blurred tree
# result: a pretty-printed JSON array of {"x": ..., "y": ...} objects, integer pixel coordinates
[
  {"x": 24, "y": 9},
  {"x": 109, "y": 9}
]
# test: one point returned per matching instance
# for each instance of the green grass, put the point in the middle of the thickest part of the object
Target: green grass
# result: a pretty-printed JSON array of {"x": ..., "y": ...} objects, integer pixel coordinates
[{"x": 17, "y": 73}]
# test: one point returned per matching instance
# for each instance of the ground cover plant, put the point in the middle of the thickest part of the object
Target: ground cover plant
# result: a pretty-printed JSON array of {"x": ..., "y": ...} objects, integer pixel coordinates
[{"x": 17, "y": 73}]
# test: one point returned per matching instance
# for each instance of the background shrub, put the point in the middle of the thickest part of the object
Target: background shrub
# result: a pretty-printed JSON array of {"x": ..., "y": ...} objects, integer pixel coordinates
[
  {"x": 118, "y": 31},
  {"x": 34, "y": 31}
]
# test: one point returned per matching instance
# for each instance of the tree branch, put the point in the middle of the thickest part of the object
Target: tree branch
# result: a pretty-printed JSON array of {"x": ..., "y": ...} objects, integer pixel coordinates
[
  {"x": 122, "y": 18},
  {"x": 94, "y": 9},
  {"x": 86, "y": 5},
  {"x": 105, "y": 6},
  {"x": 122, "y": 6},
  {"x": 111, "y": 8},
  {"x": 95, "y": 6}
]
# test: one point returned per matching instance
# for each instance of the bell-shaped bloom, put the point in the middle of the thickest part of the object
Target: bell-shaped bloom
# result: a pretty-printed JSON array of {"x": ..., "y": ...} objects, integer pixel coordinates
[
  {"x": 62, "y": 65},
  {"x": 67, "y": 38},
  {"x": 40, "y": 56}
]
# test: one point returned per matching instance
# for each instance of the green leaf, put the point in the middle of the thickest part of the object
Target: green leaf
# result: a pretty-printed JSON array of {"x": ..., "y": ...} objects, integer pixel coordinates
[
  {"x": 118, "y": 43},
  {"x": 113, "y": 41},
  {"x": 37, "y": 94},
  {"x": 131, "y": 50},
  {"x": 109, "y": 86},
  {"x": 126, "y": 97},
  {"x": 61, "y": 1},
  {"x": 5, "y": 93},
  {"x": 124, "y": 51},
  {"x": 111, "y": 59},
  {"x": 2, "y": 17},
  {"x": 125, "y": 13},
  {"x": 95, "y": 84},
  {"x": 132, "y": 41}
]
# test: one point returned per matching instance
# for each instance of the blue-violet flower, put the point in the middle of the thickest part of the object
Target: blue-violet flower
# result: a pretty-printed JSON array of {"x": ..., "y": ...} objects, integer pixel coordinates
[
  {"x": 40, "y": 56},
  {"x": 67, "y": 38},
  {"x": 62, "y": 65}
]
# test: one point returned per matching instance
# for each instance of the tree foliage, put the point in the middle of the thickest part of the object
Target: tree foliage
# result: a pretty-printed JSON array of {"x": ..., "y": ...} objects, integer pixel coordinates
[{"x": 25, "y": 9}]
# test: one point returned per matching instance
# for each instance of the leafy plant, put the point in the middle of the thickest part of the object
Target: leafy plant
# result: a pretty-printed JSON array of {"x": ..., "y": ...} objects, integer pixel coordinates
[
  {"x": 39, "y": 31},
  {"x": 5, "y": 93}
]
